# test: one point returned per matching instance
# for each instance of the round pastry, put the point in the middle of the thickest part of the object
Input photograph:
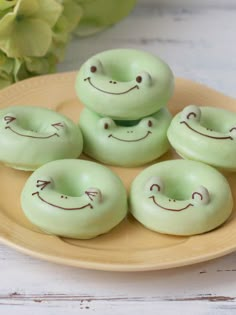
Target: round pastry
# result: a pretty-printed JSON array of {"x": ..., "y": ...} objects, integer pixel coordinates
[
  {"x": 181, "y": 197},
  {"x": 125, "y": 84},
  {"x": 125, "y": 143},
  {"x": 33, "y": 136},
  {"x": 68, "y": 198},
  {"x": 206, "y": 134},
  {"x": 99, "y": 14}
]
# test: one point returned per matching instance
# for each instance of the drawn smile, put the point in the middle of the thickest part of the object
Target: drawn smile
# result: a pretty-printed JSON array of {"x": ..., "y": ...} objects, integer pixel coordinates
[
  {"x": 34, "y": 137},
  {"x": 170, "y": 209},
  {"x": 135, "y": 140},
  {"x": 59, "y": 207},
  {"x": 107, "y": 92},
  {"x": 200, "y": 133}
]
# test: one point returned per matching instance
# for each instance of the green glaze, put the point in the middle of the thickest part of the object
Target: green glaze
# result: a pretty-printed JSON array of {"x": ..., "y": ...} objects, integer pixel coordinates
[
  {"x": 33, "y": 136},
  {"x": 114, "y": 143},
  {"x": 68, "y": 198},
  {"x": 206, "y": 134},
  {"x": 196, "y": 198},
  {"x": 110, "y": 85}
]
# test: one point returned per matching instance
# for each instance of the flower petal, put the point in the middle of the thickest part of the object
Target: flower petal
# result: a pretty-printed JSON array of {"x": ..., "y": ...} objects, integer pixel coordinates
[
  {"x": 49, "y": 11},
  {"x": 29, "y": 37},
  {"x": 6, "y": 4},
  {"x": 26, "y": 7}
]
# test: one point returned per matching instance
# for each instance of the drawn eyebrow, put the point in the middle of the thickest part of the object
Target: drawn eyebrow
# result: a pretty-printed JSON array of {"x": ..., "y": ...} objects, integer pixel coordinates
[
  {"x": 155, "y": 185},
  {"x": 191, "y": 114},
  {"x": 197, "y": 193},
  {"x": 42, "y": 184}
]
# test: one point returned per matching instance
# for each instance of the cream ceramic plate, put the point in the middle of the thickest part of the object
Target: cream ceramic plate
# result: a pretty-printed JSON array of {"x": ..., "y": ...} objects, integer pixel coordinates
[{"x": 129, "y": 247}]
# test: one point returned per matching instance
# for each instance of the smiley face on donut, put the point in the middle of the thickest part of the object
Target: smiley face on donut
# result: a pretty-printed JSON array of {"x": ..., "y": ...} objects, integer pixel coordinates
[
  {"x": 206, "y": 134},
  {"x": 180, "y": 197},
  {"x": 58, "y": 129},
  {"x": 31, "y": 136},
  {"x": 54, "y": 199},
  {"x": 129, "y": 143},
  {"x": 124, "y": 84},
  {"x": 68, "y": 198},
  {"x": 191, "y": 118},
  {"x": 155, "y": 190}
]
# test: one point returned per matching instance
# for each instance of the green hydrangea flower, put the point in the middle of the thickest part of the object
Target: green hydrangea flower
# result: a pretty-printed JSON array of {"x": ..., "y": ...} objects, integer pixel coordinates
[
  {"x": 99, "y": 14},
  {"x": 33, "y": 36},
  {"x": 27, "y": 29}
]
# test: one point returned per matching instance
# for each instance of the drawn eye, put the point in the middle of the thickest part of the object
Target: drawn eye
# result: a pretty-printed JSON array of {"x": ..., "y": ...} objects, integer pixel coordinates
[
  {"x": 144, "y": 78},
  {"x": 59, "y": 125},
  {"x": 233, "y": 132},
  {"x": 233, "y": 129},
  {"x": 201, "y": 195},
  {"x": 106, "y": 123},
  {"x": 94, "y": 194},
  {"x": 42, "y": 183},
  {"x": 9, "y": 118},
  {"x": 148, "y": 122},
  {"x": 93, "y": 69},
  {"x": 191, "y": 112},
  {"x": 95, "y": 66},
  {"x": 139, "y": 79},
  {"x": 154, "y": 185}
]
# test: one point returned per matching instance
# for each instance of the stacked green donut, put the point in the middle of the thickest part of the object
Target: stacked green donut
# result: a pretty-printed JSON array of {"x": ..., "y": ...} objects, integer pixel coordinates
[{"x": 125, "y": 93}]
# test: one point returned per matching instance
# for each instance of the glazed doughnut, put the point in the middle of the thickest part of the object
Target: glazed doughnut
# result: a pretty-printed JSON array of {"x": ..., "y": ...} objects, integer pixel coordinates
[
  {"x": 205, "y": 134},
  {"x": 124, "y": 84},
  {"x": 68, "y": 198},
  {"x": 129, "y": 143},
  {"x": 181, "y": 197},
  {"x": 33, "y": 136}
]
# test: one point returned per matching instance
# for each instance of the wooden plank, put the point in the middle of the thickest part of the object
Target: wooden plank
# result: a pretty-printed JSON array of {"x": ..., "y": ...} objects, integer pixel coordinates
[
  {"x": 23, "y": 276},
  {"x": 108, "y": 306}
]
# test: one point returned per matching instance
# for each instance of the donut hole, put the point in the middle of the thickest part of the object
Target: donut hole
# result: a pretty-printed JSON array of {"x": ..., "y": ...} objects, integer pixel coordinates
[
  {"x": 123, "y": 72},
  {"x": 69, "y": 187},
  {"x": 31, "y": 125},
  {"x": 213, "y": 124},
  {"x": 179, "y": 188}
]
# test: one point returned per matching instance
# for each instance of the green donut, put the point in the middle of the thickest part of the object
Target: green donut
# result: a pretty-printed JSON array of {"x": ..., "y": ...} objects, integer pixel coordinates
[
  {"x": 125, "y": 84},
  {"x": 181, "y": 198},
  {"x": 206, "y": 134},
  {"x": 99, "y": 14},
  {"x": 68, "y": 198},
  {"x": 129, "y": 143},
  {"x": 33, "y": 136}
]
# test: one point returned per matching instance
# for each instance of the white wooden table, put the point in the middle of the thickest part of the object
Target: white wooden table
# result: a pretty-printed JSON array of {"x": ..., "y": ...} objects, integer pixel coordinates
[{"x": 199, "y": 43}]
